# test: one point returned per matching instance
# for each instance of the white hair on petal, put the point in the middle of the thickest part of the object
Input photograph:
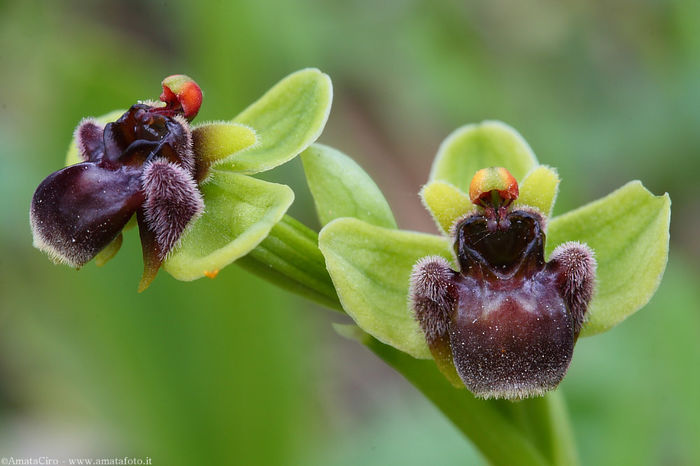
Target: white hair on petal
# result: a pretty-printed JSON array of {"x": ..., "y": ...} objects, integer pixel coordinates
[{"x": 172, "y": 201}]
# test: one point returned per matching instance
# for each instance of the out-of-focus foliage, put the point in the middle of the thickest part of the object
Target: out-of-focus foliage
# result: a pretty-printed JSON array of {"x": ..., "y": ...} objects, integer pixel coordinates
[{"x": 235, "y": 371}]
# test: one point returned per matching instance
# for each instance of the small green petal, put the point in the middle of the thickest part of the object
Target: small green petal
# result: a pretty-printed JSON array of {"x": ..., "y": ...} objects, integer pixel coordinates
[
  {"x": 370, "y": 267},
  {"x": 341, "y": 188},
  {"x": 473, "y": 147},
  {"x": 130, "y": 224},
  {"x": 109, "y": 252},
  {"x": 445, "y": 203},
  {"x": 629, "y": 231},
  {"x": 218, "y": 140},
  {"x": 539, "y": 189},
  {"x": 287, "y": 119},
  {"x": 72, "y": 157},
  {"x": 239, "y": 213}
]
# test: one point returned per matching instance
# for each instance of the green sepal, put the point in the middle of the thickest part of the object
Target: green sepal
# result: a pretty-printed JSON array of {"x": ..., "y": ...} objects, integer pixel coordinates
[
  {"x": 445, "y": 202},
  {"x": 341, "y": 188},
  {"x": 473, "y": 147},
  {"x": 629, "y": 232},
  {"x": 539, "y": 189},
  {"x": 371, "y": 267},
  {"x": 239, "y": 213},
  {"x": 287, "y": 119},
  {"x": 441, "y": 351},
  {"x": 73, "y": 157},
  {"x": 110, "y": 251}
]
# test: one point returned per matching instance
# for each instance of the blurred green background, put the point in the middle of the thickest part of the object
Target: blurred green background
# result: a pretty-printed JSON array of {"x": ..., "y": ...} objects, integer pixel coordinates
[{"x": 234, "y": 371}]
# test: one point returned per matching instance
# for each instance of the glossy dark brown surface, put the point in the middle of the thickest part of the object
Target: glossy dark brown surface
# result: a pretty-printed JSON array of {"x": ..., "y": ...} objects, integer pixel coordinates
[
  {"x": 507, "y": 340},
  {"x": 511, "y": 331},
  {"x": 506, "y": 322},
  {"x": 80, "y": 209},
  {"x": 77, "y": 211}
]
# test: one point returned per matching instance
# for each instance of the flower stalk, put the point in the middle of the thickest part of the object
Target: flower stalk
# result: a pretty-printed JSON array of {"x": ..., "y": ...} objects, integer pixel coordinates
[{"x": 289, "y": 258}]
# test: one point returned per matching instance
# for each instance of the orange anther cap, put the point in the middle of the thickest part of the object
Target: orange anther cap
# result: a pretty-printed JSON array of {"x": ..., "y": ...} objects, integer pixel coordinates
[{"x": 491, "y": 179}]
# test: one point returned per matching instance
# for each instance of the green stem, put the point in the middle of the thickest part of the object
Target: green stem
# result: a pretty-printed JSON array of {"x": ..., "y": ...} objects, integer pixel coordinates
[
  {"x": 495, "y": 435},
  {"x": 545, "y": 421},
  {"x": 289, "y": 258},
  {"x": 530, "y": 432}
]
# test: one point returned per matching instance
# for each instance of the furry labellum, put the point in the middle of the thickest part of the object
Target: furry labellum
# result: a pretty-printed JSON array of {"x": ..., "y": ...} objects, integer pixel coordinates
[
  {"x": 506, "y": 321},
  {"x": 142, "y": 164}
]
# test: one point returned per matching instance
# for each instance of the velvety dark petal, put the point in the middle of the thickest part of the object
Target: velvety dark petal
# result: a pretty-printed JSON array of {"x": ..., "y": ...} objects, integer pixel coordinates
[
  {"x": 511, "y": 343},
  {"x": 513, "y": 333},
  {"x": 172, "y": 201},
  {"x": 88, "y": 138},
  {"x": 79, "y": 210},
  {"x": 172, "y": 197},
  {"x": 574, "y": 266},
  {"x": 433, "y": 300}
]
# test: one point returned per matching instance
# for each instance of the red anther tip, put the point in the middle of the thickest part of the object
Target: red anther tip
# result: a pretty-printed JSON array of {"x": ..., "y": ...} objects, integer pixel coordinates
[{"x": 180, "y": 92}]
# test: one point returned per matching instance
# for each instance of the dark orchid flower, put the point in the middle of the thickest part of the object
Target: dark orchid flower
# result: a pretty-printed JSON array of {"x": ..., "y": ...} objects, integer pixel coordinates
[
  {"x": 496, "y": 306},
  {"x": 187, "y": 187},
  {"x": 141, "y": 164},
  {"x": 506, "y": 319}
]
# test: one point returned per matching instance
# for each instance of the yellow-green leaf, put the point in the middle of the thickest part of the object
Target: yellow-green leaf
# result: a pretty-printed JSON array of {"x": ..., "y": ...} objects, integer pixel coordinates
[
  {"x": 445, "y": 203},
  {"x": 473, "y": 147},
  {"x": 341, "y": 188},
  {"x": 218, "y": 140},
  {"x": 287, "y": 119},
  {"x": 239, "y": 213},
  {"x": 539, "y": 189},
  {"x": 629, "y": 233},
  {"x": 370, "y": 267}
]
